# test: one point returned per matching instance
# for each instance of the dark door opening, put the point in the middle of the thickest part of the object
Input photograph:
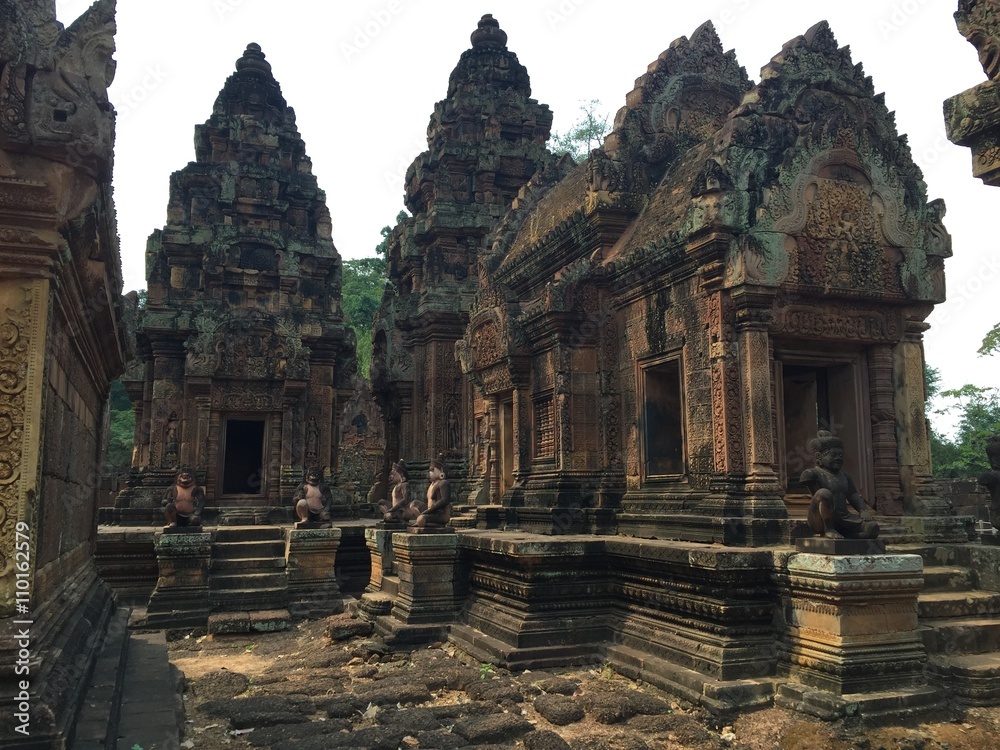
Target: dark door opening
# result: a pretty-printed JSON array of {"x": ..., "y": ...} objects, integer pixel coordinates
[
  {"x": 662, "y": 414},
  {"x": 814, "y": 397},
  {"x": 241, "y": 472}
]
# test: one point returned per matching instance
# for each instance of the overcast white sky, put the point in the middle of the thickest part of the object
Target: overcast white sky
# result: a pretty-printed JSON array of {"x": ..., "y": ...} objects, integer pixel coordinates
[{"x": 363, "y": 78}]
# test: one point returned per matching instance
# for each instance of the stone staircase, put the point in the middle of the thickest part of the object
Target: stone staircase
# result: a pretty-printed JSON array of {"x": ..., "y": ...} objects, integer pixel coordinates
[
  {"x": 960, "y": 626},
  {"x": 248, "y": 588}
]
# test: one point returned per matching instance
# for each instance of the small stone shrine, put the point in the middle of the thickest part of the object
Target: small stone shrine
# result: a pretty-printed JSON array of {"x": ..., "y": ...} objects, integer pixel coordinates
[
  {"x": 245, "y": 359},
  {"x": 650, "y": 338}
]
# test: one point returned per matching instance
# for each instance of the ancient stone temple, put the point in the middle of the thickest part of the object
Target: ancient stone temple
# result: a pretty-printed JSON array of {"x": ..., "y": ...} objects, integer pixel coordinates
[
  {"x": 659, "y": 330},
  {"x": 485, "y": 139},
  {"x": 245, "y": 359},
  {"x": 972, "y": 118},
  {"x": 60, "y": 315}
]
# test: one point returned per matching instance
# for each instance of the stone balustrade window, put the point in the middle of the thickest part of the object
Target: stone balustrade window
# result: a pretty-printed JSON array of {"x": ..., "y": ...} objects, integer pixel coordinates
[{"x": 545, "y": 434}]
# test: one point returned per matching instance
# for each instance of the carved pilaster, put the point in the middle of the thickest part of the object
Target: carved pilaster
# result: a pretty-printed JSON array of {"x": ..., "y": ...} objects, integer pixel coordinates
[
  {"x": 727, "y": 410},
  {"x": 912, "y": 430},
  {"x": 23, "y": 322},
  {"x": 563, "y": 416},
  {"x": 887, "y": 491},
  {"x": 753, "y": 318},
  {"x": 493, "y": 452}
]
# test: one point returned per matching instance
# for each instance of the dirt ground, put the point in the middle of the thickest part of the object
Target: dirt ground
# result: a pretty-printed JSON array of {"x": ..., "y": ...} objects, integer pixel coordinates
[{"x": 300, "y": 689}]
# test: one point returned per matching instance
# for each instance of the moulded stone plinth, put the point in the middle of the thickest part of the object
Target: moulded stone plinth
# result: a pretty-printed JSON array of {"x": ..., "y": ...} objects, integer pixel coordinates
[
  {"x": 851, "y": 623},
  {"x": 310, "y": 560},
  {"x": 429, "y": 585},
  {"x": 536, "y": 601},
  {"x": 181, "y": 596}
]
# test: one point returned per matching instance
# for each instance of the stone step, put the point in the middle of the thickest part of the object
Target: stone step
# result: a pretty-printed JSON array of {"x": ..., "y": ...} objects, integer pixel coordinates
[
  {"x": 152, "y": 707},
  {"x": 247, "y": 564},
  {"x": 246, "y": 580},
  {"x": 932, "y": 554},
  {"x": 972, "y": 679},
  {"x": 943, "y": 604},
  {"x": 977, "y": 635},
  {"x": 720, "y": 697},
  {"x": 945, "y": 578},
  {"x": 97, "y": 723},
  {"x": 247, "y": 550},
  {"x": 233, "y": 600},
  {"x": 249, "y": 534},
  {"x": 895, "y": 533},
  {"x": 249, "y": 621}
]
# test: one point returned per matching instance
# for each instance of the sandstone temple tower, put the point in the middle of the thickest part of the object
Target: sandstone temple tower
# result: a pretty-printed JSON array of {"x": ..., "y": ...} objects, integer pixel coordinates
[
  {"x": 244, "y": 355},
  {"x": 485, "y": 139}
]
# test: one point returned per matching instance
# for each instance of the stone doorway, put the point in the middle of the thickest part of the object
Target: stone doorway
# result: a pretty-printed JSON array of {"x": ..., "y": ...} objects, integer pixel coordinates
[
  {"x": 243, "y": 456},
  {"x": 819, "y": 394}
]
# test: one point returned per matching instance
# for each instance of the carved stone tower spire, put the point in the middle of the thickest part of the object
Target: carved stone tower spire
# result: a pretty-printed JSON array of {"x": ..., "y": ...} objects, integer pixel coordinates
[
  {"x": 243, "y": 334},
  {"x": 485, "y": 140}
]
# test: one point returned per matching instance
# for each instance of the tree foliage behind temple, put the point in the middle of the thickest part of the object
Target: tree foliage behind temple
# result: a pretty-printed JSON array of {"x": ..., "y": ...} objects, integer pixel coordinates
[{"x": 977, "y": 409}]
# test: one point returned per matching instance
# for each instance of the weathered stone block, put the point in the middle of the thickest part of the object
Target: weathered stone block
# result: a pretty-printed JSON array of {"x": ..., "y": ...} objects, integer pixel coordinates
[
  {"x": 428, "y": 584},
  {"x": 310, "y": 565},
  {"x": 181, "y": 596},
  {"x": 851, "y": 623}
]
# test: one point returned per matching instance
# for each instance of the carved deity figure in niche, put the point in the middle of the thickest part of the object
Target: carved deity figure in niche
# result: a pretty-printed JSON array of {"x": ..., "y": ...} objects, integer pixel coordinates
[
  {"x": 483, "y": 445},
  {"x": 438, "y": 510},
  {"x": 834, "y": 494},
  {"x": 312, "y": 501},
  {"x": 312, "y": 440},
  {"x": 991, "y": 479},
  {"x": 454, "y": 435},
  {"x": 171, "y": 443},
  {"x": 398, "y": 507},
  {"x": 184, "y": 502}
]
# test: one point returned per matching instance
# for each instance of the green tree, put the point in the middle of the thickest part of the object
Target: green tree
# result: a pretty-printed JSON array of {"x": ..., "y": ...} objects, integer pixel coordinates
[
  {"x": 121, "y": 430},
  {"x": 363, "y": 283},
  {"x": 584, "y": 135},
  {"x": 978, "y": 411},
  {"x": 991, "y": 342},
  {"x": 361, "y": 290},
  {"x": 382, "y": 248}
]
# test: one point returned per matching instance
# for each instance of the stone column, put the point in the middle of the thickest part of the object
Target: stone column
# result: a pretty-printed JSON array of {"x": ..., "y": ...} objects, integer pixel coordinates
[
  {"x": 428, "y": 581},
  {"x": 851, "y": 628},
  {"x": 310, "y": 559},
  {"x": 181, "y": 596}
]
